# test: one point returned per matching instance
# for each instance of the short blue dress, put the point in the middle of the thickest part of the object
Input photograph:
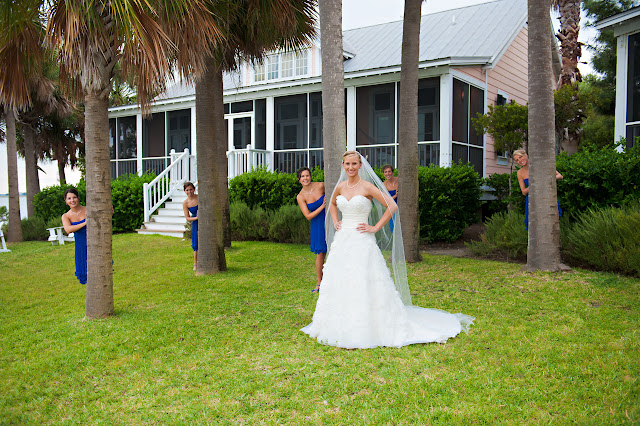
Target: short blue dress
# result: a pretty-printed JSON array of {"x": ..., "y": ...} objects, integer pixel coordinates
[
  {"x": 392, "y": 193},
  {"x": 80, "y": 238},
  {"x": 526, "y": 208},
  {"x": 194, "y": 228},
  {"x": 318, "y": 239}
]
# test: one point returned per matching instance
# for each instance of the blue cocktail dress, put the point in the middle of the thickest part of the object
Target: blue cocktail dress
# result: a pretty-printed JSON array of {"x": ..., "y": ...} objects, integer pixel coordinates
[
  {"x": 80, "y": 238},
  {"x": 318, "y": 239},
  {"x": 526, "y": 208},
  {"x": 392, "y": 193},
  {"x": 194, "y": 228}
]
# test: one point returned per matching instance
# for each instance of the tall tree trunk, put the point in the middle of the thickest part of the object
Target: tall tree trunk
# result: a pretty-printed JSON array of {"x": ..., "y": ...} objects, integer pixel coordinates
[
  {"x": 210, "y": 130},
  {"x": 31, "y": 166},
  {"x": 334, "y": 128},
  {"x": 61, "y": 174},
  {"x": 544, "y": 229},
  {"x": 14, "y": 232},
  {"x": 408, "y": 131},
  {"x": 99, "y": 302}
]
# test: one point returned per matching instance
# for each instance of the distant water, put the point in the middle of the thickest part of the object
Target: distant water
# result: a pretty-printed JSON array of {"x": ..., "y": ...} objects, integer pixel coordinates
[{"x": 4, "y": 201}]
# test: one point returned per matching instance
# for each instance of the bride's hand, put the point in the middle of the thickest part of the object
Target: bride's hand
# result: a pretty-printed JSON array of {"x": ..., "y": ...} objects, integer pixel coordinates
[
  {"x": 365, "y": 227},
  {"x": 337, "y": 225}
]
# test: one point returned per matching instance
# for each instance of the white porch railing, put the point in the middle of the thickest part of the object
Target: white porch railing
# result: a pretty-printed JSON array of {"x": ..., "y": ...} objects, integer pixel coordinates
[
  {"x": 156, "y": 192},
  {"x": 244, "y": 160}
]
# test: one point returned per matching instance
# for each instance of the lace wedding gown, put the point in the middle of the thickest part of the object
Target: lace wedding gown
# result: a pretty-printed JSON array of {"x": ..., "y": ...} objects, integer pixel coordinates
[{"x": 358, "y": 306}]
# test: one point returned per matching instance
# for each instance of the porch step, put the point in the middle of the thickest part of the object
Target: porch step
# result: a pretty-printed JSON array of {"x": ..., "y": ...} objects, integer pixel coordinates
[
  {"x": 143, "y": 231},
  {"x": 168, "y": 220}
]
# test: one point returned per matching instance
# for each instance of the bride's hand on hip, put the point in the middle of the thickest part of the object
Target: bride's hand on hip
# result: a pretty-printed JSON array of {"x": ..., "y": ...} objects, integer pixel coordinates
[
  {"x": 365, "y": 227},
  {"x": 337, "y": 225}
]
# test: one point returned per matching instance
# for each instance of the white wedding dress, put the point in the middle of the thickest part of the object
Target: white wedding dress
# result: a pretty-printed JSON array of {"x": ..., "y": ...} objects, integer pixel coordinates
[{"x": 359, "y": 306}]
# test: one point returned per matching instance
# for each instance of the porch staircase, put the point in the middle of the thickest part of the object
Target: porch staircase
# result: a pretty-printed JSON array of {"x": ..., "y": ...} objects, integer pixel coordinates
[{"x": 168, "y": 220}]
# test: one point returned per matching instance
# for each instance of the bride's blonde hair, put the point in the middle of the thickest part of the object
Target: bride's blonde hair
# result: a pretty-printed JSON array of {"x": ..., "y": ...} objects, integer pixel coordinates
[{"x": 348, "y": 153}]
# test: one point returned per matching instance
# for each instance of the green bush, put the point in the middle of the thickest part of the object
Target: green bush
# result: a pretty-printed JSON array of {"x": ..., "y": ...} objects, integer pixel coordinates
[
  {"x": 49, "y": 202},
  {"x": 606, "y": 239},
  {"x": 264, "y": 189},
  {"x": 449, "y": 200},
  {"x": 33, "y": 229},
  {"x": 54, "y": 222},
  {"x": 288, "y": 225},
  {"x": 505, "y": 234},
  {"x": 499, "y": 184},
  {"x": 4, "y": 214},
  {"x": 595, "y": 178},
  {"x": 128, "y": 201},
  {"x": 248, "y": 224}
]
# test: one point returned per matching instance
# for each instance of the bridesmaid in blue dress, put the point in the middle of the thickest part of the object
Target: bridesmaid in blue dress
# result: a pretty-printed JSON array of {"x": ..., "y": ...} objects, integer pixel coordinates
[
  {"x": 190, "y": 209},
  {"x": 391, "y": 183},
  {"x": 521, "y": 158},
  {"x": 75, "y": 221},
  {"x": 312, "y": 204}
]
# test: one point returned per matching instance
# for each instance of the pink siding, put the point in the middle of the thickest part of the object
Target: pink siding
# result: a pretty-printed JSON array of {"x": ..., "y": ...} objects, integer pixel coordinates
[{"x": 510, "y": 75}]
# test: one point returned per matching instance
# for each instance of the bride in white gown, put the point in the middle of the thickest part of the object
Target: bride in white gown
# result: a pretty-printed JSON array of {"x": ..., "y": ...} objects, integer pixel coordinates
[{"x": 360, "y": 304}]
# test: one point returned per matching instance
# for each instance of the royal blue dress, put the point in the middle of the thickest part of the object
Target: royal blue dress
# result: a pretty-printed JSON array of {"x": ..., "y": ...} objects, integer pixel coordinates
[
  {"x": 392, "y": 193},
  {"x": 80, "y": 237},
  {"x": 194, "y": 228},
  {"x": 318, "y": 239},
  {"x": 526, "y": 208}
]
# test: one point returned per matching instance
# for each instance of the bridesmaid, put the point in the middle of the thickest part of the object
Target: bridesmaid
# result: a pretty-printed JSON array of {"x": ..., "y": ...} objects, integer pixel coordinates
[
  {"x": 391, "y": 183},
  {"x": 190, "y": 209},
  {"x": 522, "y": 159},
  {"x": 75, "y": 220},
  {"x": 312, "y": 204}
]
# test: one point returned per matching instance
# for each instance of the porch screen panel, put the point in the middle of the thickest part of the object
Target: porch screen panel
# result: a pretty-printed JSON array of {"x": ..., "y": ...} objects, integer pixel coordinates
[
  {"x": 153, "y": 136},
  {"x": 241, "y": 132},
  {"x": 291, "y": 122},
  {"x": 459, "y": 153},
  {"x": 378, "y": 156},
  {"x": 633, "y": 79},
  {"x": 127, "y": 143},
  {"x": 315, "y": 120},
  {"x": 632, "y": 133},
  {"x": 375, "y": 117},
  {"x": 429, "y": 153},
  {"x": 179, "y": 130},
  {"x": 429, "y": 109},
  {"x": 261, "y": 124},
  {"x": 290, "y": 161},
  {"x": 112, "y": 139},
  {"x": 476, "y": 106},
  {"x": 460, "y": 122},
  {"x": 476, "y": 157},
  {"x": 316, "y": 159}
]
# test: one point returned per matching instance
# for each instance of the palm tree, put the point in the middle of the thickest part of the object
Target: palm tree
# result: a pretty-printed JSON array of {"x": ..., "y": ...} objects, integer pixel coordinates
[
  {"x": 408, "y": 132},
  {"x": 251, "y": 29},
  {"x": 544, "y": 229},
  {"x": 146, "y": 39},
  {"x": 14, "y": 232},
  {"x": 334, "y": 128}
]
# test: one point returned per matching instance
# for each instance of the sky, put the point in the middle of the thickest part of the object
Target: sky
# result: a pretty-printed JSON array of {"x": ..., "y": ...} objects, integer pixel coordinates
[{"x": 355, "y": 14}]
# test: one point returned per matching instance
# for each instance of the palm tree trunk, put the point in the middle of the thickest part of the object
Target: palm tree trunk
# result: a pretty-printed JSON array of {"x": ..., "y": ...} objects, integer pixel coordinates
[
  {"x": 334, "y": 128},
  {"x": 544, "y": 229},
  {"x": 210, "y": 131},
  {"x": 99, "y": 302},
  {"x": 61, "y": 174},
  {"x": 408, "y": 131},
  {"x": 31, "y": 166},
  {"x": 14, "y": 232}
]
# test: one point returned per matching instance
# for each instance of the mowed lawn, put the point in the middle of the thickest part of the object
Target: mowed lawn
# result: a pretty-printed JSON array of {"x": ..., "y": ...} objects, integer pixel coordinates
[{"x": 545, "y": 348}]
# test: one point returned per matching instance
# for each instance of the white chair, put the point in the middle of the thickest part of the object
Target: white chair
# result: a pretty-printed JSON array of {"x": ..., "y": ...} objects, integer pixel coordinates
[
  {"x": 56, "y": 236},
  {"x": 4, "y": 248}
]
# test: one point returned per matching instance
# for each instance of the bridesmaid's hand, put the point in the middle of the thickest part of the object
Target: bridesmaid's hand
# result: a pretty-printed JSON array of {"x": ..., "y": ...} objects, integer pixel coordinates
[
  {"x": 337, "y": 225},
  {"x": 365, "y": 227}
]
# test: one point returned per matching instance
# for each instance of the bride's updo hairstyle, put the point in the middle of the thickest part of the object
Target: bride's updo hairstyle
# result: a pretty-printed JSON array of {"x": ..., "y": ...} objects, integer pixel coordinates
[{"x": 348, "y": 153}]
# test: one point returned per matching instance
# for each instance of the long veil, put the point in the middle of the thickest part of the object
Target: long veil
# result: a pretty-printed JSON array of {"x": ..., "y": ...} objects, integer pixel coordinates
[{"x": 387, "y": 240}]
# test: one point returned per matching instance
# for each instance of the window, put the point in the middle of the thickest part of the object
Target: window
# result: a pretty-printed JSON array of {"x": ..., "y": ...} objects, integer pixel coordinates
[
  {"x": 261, "y": 124},
  {"x": 258, "y": 73},
  {"x": 287, "y": 65},
  {"x": 429, "y": 109},
  {"x": 281, "y": 66},
  {"x": 153, "y": 136},
  {"x": 273, "y": 62},
  {"x": 301, "y": 63},
  {"x": 179, "y": 132},
  {"x": 467, "y": 144},
  {"x": 112, "y": 138},
  {"x": 291, "y": 122},
  {"x": 127, "y": 143}
]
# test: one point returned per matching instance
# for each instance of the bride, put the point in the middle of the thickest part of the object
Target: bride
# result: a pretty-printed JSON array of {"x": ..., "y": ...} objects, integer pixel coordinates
[{"x": 360, "y": 304}]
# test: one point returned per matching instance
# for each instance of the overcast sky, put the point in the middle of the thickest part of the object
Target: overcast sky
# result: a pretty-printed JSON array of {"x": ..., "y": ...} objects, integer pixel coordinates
[{"x": 356, "y": 14}]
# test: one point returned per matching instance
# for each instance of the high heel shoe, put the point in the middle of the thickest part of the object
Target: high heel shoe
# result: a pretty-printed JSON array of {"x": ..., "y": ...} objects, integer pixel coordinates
[{"x": 316, "y": 290}]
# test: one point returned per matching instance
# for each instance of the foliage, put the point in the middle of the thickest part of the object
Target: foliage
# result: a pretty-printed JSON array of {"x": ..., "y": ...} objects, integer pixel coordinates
[
  {"x": 248, "y": 224},
  {"x": 54, "y": 222},
  {"x": 607, "y": 239},
  {"x": 4, "y": 214},
  {"x": 449, "y": 200},
  {"x": 597, "y": 178},
  {"x": 499, "y": 187},
  {"x": 226, "y": 348},
  {"x": 128, "y": 201},
  {"x": 288, "y": 225},
  {"x": 49, "y": 202},
  {"x": 505, "y": 234},
  {"x": 569, "y": 108},
  {"x": 507, "y": 124},
  {"x": 264, "y": 189},
  {"x": 599, "y": 122},
  {"x": 33, "y": 229}
]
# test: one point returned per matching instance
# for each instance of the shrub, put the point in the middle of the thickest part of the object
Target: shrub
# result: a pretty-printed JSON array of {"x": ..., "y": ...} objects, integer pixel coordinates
[
  {"x": 49, "y": 202},
  {"x": 128, "y": 201},
  {"x": 4, "y": 214},
  {"x": 505, "y": 234},
  {"x": 264, "y": 189},
  {"x": 499, "y": 184},
  {"x": 449, "y": 200},
  {"x": 33, "y": 229},
  {"x": 606, "y": 238},
  {"x": 248, "y": 224},
  {"x": 288, "y": 225},
  {"x": 54, "y": 222}
]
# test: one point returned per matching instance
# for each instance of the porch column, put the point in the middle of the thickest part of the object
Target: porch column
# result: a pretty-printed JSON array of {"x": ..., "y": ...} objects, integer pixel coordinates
[
  {"x": 139, "y": 143},
  {"x": 622, "y": 73},
  {"x": 270, "y": 125},
  {"x": 351, "y": 118},
  {"x": 446, "y": 111},
  {"x": 193, "y": 131}
]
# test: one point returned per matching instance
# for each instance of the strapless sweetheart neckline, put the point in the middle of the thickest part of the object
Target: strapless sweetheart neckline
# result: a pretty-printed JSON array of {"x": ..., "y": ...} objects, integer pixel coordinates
[{"x": 349, "y": 199}]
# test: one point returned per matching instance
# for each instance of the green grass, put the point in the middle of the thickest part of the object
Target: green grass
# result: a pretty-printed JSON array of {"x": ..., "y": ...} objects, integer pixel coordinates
[{"x": 545, "y": 348}]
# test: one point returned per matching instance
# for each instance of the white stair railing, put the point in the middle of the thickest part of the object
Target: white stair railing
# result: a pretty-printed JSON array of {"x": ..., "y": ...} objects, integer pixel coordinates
[
  {"x": 244, "y": 160},
  {"x": 160, "y": 189}
]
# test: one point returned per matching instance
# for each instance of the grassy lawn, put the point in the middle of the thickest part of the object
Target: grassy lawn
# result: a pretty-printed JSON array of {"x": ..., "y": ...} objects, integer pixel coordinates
[{"x": 545, "y": 348}]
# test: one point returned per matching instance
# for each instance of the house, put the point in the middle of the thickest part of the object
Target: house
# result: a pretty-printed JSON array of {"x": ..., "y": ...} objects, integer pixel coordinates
[
  {"x": 626, "y": 29},
  {"x": 470, "y": 57}
]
